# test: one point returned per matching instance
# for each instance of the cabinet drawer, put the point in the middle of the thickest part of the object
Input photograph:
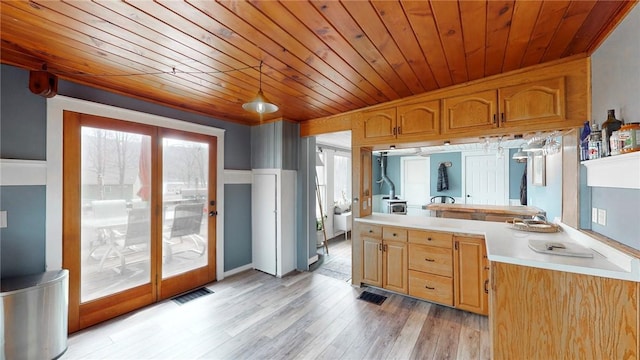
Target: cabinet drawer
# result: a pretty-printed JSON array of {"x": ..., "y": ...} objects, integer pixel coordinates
[
  {"x": 431, "y": 259},
  {"x": 431, "y": 287},
  {"x": 394, "y": 233},
  {"x": 370, "y": 230},
  {"x": 431, "y": 238}
]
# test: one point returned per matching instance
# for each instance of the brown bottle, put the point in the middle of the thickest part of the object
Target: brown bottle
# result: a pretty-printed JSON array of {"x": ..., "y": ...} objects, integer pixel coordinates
[{"x": 608, "y": 127}]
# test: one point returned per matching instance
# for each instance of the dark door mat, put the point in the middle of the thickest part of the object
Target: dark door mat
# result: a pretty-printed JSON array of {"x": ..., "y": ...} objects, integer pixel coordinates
[
  {"x": 191, "y": 295},
  {"x": 372, "y": 298}
]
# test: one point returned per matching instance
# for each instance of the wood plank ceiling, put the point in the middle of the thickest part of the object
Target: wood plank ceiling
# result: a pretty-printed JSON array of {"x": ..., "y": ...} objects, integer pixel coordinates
[{"x": 320, "y": 58}]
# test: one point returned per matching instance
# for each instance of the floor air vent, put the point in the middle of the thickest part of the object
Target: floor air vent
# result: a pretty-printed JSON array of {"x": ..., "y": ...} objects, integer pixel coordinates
[
  {"x": 372, "y": 298},
  {"x": 191, "y": 295}
]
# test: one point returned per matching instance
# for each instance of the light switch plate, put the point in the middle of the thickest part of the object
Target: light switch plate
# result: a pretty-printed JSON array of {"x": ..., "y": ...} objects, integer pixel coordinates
[
  {"x": 3, "y": 219},
  {"x": 594, "y": 215},
  {"x": 602, "y": 217}
]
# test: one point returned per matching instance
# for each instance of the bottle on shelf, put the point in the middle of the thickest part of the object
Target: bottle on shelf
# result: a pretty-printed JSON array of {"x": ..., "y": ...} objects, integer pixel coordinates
[{"x": 608, "y": 127}]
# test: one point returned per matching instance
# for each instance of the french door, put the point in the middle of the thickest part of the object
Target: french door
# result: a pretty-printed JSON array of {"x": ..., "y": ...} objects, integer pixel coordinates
[{"x": 138, "y": 215}]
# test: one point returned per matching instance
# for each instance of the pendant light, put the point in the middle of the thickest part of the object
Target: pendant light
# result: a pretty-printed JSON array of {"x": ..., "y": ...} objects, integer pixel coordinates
[{"x": 260, "y": 104}]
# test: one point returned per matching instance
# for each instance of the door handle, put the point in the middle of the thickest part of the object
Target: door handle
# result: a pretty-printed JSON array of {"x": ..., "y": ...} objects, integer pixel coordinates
[{"x": 213, "y": 213}]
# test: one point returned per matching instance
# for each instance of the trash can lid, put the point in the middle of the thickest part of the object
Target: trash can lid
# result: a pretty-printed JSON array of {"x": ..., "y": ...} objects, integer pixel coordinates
[{"x": 30, "y": 281}]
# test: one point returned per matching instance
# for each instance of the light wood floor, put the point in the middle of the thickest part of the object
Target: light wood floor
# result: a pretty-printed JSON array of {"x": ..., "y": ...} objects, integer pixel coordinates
[{"x": 253, "y": 315}]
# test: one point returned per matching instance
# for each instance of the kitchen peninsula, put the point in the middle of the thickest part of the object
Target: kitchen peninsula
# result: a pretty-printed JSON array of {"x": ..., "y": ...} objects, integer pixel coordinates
[{"x": 527, "y": 291}]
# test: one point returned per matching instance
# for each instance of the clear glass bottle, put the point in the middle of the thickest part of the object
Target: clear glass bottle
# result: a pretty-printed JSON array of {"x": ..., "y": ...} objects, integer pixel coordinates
[{"x": 608, "y": 127}]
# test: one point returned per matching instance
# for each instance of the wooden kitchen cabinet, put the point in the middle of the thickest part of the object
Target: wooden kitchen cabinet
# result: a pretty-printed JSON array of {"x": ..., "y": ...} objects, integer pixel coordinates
[
  {"x": 371, "y": 260},
  {"x": 517, "y": 107},
  {"x": 385, "y": 258},
  {"x": 411, "y": 122},
  {"x": 377, "y": 126},
  {"x": 540, "y": 102},
  {"x": 431, "y": 266},
  {"x": 471, "y": 277},
  {"x": 472, "y": 112},
  {"x": 547, "y": 314},
  {"x": 394, "y": 265},
  {"x": 418, "y": 121}
]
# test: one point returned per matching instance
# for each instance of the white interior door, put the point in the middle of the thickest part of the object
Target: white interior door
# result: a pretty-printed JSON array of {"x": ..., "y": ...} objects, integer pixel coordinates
[
  {"x": 485, "y": 180},
  {"x": 264, "y": 220},
  {"x": 416, "y": 183}
]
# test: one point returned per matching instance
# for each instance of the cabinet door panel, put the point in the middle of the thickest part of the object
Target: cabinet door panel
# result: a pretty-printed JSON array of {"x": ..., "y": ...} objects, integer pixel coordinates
[
  {"x": 540, "y": 101},
  {"x": 419, "y": 121},
  {"x": 379, "y": 125},
  {"x": 371, "y": 261},
  {"x": 471, "y": 112},
  {"x": 395, "y": 266},
  {"x": 470, "y": 275}
]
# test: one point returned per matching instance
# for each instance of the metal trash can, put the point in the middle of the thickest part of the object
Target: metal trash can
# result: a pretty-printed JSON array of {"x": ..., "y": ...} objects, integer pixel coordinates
[{"x": 33, "y": 315}]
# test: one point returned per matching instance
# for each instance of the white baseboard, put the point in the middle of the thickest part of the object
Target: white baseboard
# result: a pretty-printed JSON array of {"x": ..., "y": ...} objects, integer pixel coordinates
[
  {"x": 313, "y": 259},
  {"x": 238, "y": 270}
]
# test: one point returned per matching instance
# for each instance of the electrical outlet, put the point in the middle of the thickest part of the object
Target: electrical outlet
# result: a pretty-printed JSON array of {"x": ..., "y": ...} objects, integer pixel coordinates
[
  {"x": 602, "y": 217},
  {"x": 3, "y": 219},
  {"x": 594, "y": 215}
]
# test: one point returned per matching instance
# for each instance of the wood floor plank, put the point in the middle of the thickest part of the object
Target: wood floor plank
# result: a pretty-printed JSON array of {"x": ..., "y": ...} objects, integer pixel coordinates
[{"x": 253, "y": 315}]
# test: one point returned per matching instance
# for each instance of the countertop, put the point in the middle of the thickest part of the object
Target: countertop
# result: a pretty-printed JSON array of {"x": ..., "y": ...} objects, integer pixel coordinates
[{"x": 507, "y": 245}]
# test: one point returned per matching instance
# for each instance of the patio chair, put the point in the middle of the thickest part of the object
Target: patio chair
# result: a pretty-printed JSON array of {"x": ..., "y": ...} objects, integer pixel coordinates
[
  {"x": 134, "y": 240},
  {"x": 187, "y": 222}
]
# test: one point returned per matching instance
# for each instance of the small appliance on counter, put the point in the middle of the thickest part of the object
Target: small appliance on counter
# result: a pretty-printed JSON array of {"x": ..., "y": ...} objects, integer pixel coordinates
[{"x": 395, "y": 206}]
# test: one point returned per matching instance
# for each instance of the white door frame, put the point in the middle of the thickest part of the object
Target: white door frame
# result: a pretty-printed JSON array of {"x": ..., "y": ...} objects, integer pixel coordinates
[{"x": 505, "y": 164}]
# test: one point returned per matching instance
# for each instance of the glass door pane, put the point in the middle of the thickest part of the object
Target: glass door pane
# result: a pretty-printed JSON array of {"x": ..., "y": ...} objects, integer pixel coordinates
[
  {"x": 115, "y": 213},
  {"x": 185, "y": 192}
]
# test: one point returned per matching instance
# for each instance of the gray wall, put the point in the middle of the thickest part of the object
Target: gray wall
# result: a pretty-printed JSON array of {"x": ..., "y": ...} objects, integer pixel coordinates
[
  {"x": 23, "y": 136},
  {"x": 516, "y": 170},
  {"x": 306, "y": 216},
  {"x": 454, "y": 173},
  {"x": 548, "y": 197},
  {"x": 22, "y": 247},
  {"x": 275, "y": 145},
  {"x": 615, "y": 77},
  {"x": 237, "y": 232}
]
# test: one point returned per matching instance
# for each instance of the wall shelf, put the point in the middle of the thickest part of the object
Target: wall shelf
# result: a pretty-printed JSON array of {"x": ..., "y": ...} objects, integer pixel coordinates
[{"x": 619, "y": 171}]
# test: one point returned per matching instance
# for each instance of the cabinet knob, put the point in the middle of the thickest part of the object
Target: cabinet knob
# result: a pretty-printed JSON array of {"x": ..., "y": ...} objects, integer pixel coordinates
[
  {"x": 429, "y": 260},
  {"x": 394, "y": 234},
  {"x": 428, "y": 239},
  {"x": 486, "y": 286},
  {"x": 370, "y": 231},
  {"x": 428, "y": 287}
]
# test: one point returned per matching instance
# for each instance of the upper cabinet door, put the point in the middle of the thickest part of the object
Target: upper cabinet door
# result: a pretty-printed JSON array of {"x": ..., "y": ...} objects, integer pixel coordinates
[
  {"x": 419, "y": 121},
  {"x": 540, "y": 102},
  {"x": 470, "y": 113},
  {"x": 378, "y": 125}
]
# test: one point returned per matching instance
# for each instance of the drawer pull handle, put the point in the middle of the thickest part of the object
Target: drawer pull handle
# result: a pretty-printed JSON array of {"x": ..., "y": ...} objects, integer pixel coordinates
[
  {"x": 429, "y": 260},
  {"x": 428, "y": 239},
  {"x": 486, "y": 286},
  {"x": 430, "y": 288},
  {"x": 486, "y": 268}
]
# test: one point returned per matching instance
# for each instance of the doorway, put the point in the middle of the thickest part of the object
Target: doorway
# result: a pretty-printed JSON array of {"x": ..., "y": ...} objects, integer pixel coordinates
[
  {"x": 485, "y": 179},
  {"x": 334, "y": 184},
  {"x": 139, "y": 212}
]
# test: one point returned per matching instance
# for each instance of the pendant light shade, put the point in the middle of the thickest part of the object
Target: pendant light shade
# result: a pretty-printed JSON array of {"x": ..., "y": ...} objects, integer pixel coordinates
[
  {"x": 520, "y": 156},
  {"x": 260, "y": 104}
]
